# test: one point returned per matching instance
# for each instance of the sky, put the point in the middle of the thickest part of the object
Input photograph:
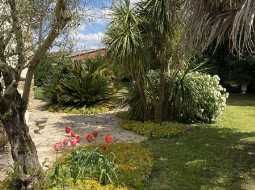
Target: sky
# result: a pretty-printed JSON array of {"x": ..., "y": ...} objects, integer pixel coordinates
[{"x": 90, "y": 33}]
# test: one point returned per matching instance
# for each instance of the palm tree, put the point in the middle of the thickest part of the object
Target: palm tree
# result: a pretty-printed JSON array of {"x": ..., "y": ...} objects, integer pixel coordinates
[
  {"x": 216, "y": 20},
  {"x": 125, "y": 45},
  {"x": 161, "y": 23},
  {"x": 141, "y": 36}
]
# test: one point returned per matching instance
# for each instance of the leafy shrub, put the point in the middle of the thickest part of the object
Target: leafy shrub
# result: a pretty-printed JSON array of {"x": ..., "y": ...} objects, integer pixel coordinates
[
  {"x": 192, "y": 97},
  {"x": 39, "y": 93},
  {"x": 200, "y": 97},
  {"x": 49, "y": 68},
  {"x": 80, "y": 84},
  {"x": 43, "y": 70}
]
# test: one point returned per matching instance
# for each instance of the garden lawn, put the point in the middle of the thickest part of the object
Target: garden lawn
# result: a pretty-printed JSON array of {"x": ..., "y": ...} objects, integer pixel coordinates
[{"x": 212, "y": 157}]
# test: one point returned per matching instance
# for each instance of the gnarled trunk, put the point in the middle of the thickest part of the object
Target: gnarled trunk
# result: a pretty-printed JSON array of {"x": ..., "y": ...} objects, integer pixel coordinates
[{"x": 23, "y": 150}]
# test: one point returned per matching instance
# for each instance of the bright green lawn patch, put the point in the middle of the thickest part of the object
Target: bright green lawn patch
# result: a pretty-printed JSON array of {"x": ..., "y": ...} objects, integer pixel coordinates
[
  {"x": 212, "y": 157},
  {"x": 239, "y": 114}
]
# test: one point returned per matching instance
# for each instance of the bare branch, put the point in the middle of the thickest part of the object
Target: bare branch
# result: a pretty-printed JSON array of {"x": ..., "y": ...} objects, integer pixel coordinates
[
  {"x": 61, "y": 19},
  {"x": 18, "y": 36}
]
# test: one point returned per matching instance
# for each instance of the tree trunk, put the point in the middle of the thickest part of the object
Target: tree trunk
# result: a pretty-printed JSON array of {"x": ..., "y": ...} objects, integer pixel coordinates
[
  {"x": 23, "y": 150},
  {"x": 159, "y": 115},
  {"x": 139, "y": 84}
]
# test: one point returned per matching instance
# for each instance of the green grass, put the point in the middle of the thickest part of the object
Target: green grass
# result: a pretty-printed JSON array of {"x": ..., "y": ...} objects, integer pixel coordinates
[
  {"x": 219, "y": 156},
  {"x": 213, "y": 157}
]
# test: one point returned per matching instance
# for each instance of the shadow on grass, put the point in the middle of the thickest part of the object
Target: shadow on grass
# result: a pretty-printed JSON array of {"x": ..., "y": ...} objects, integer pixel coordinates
[
  {"x": 241, "y": 100},
  {"x": 204, "y": 159}
]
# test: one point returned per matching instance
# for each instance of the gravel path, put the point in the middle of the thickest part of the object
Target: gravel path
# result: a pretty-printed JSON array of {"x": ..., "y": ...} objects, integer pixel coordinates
[{"x": 53, "y": 131}]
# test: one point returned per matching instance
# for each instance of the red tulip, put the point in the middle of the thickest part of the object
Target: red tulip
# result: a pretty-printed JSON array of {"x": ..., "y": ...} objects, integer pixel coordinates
[
  {"x": 58, "y": 146},
  {"x": 68, "y": 129},
  {"x": 89, "y": 137},
  {"x": 108, "y": 139},
  {"x": 95, "y": 133},
  {"x": 78, "y": 138},
  {"x": 74, "y": 142},
  {"x": 65, "y": 141},
  {"x": 72, "y": 134}
]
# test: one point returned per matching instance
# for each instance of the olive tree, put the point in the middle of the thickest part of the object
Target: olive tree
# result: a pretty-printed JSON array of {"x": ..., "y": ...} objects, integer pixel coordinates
[{"x": 18, "y": 20}]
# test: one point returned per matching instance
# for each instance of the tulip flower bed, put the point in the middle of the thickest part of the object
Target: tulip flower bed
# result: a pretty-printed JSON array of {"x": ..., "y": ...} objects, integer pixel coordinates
[
  {"x": 108, "y": 164},
  {"x": 72, "y": 139},
  {"x": 127, "y": 165}
]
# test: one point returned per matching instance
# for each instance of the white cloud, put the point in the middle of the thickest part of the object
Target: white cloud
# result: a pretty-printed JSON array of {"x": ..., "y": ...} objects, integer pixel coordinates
[
  {"x": 88, "y": 41},
  {"x": 91, "y": 37},
  {"x": 96, "y": 13}
]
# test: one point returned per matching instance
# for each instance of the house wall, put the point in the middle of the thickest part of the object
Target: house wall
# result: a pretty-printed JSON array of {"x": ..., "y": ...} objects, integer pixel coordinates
[{"x": 89, "y": 55}]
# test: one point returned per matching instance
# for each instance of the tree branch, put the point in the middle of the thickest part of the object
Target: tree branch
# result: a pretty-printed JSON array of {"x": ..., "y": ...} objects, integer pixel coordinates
[
  {"x": 19, "y": 37},
  {"x": 61, "y": 20}
]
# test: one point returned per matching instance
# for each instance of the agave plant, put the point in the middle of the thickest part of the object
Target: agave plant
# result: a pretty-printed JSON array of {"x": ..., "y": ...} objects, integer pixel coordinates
[{"x": 80, "y": 84}]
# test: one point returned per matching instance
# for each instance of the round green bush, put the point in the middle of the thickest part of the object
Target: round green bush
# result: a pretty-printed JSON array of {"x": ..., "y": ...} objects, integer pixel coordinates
[{"x": 200, "y": 97}]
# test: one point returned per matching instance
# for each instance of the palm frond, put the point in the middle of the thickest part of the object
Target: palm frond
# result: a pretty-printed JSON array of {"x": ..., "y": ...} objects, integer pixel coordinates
[{"x": 215, "y": 21}]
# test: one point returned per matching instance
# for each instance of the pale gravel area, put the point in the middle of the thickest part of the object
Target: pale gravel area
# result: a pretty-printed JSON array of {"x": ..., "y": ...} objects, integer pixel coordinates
[{"x": 53, "y": 131}]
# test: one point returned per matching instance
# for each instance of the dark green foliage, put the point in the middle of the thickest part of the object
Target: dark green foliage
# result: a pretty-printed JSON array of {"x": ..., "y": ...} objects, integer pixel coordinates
[
  {"x": 80, "y": 84},
  {"x": 230, "y": 68},
  {"x": 136, "y": 108},
  {"x": 42, "y": 72}
]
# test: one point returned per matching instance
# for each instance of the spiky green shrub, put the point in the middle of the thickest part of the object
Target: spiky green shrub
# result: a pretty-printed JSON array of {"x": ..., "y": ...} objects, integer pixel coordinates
[{"x": 80, "y": 84}]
